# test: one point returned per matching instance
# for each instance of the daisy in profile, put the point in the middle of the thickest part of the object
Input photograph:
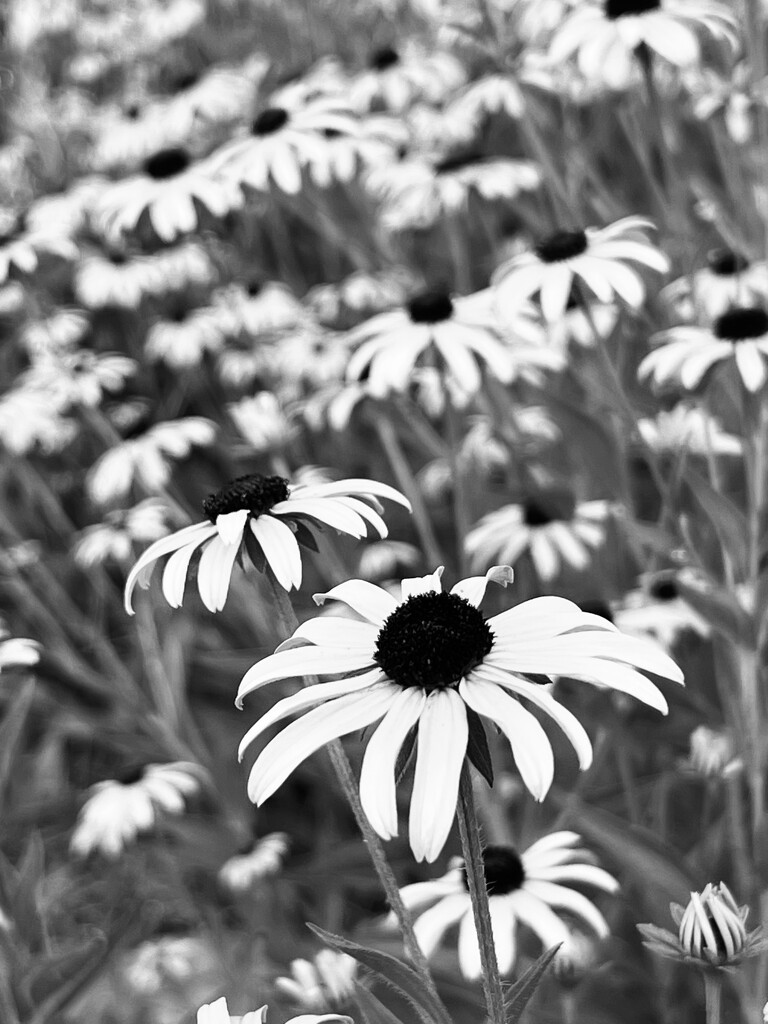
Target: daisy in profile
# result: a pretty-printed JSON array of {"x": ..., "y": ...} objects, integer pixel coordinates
[
  {"x": 683, "y": 356},
  {"x": 687, "y": 428},
  {"x": 523, "y": 889},
  {"x": 21, "y": 247},
  {"x": 593, "y": 258},
  {"x": 267, "y": 517},
  {"x": 538, "y": 527},
  {"x": 179, "y": 267},
  {"x": 114, "y": 539},
  {"x": 262, "y": 421},
  {"x": 80, "y": 377},
  {"x": 492, "y": 94},
  {"x": 658, "y": 610},
  {"x": 605, "y": 35},
  {"x": 115, "y": 813},
  {"x": 259, "y": 307},
  {"x": 397, "y": 78},
  {"x": 57, "y": 333},
  {"x": 261, "y": 859},
  {"x": 712, "y": 754},
  {"x": 218, "y": 1013},
  {"x": 113, "y": 278},
  {"x": 327, "y": 982},
  {"x": 169, "y": 192},
  {"x": 461, "y": 332},
  {"x": 425, "y": 660},
  {"x": 188, "y": 334},
  {"x": 729, "y": 279}
]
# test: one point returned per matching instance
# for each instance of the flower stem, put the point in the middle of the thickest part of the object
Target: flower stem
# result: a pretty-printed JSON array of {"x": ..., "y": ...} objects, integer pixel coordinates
[
  {"x": 713, "y": 991},
  {"x": 373, "y": 843},
  {"x": 473, "y": 860}
]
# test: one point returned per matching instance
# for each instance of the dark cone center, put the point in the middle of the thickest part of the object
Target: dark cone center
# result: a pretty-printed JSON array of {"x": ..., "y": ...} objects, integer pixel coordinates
[
  {"x": 535, "y": 514},
  {"x": 624, "y": 8},
  {"x": 563, "y": 245},
  {"x": 504, "y": 871},
  {"x": 384, "y": 58},
  {"x": 432, "y": 641},
  {"x": 253, "y": 288},
  {"x": 167, "y": 163},
  {"x": 741, "y": 324},
  {"x": 430, "y": 308},
  {"x": 664, "y": 590},
  {"x": 269, "y": 121},
  {"x": 726, "y": 262},
  {"x": 185, "y": 82},
  {"x": 254, "y": 493}
]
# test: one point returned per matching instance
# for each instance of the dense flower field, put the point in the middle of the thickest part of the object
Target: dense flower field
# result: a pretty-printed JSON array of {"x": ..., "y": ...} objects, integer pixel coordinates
[{"x": 384, "y": 521}]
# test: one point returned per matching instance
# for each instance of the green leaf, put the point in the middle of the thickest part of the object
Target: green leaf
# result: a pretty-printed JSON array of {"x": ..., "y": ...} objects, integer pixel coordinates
[
  {"x": 393, "y": 972},
  {"x": 11, "y": 732},
  {"x": 720, "y": 609},
  {"x": 726, "y": 517},
  {"x": 372, "y": 1010},
  {"x": 477, "y": 746},
  {"x": 520, "y": 994}
]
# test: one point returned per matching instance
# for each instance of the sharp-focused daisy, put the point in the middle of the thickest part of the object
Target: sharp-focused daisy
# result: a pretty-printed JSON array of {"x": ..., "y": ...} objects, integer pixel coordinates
[
  {"x": 281, "y": 142},
  {"x": 169, "y": 192},
  {"x": 325, "y": 983},
  {"x": 115, "y": 813},
  {"x": 687, "y": 428},
  {"x": 416, "y": 193},
  {"x": 461, "y": 332},
  {"x": 218, "y": 1013},
  {"x": 430, "y": 662},
  {"x": 261, "y": 859},
  {"x": 595, "y": 258},
  {"x": 684, "y": 355},
  {"x": 268, "y": 517},
  {"x": 21, "y": 246},
  {"x": 396, "y": 79},
  {"x": 605, "y": 35},
  {"x": 729, "y": 279},
  {"x": 536, "y": 526},
  {"x": 147, "y": 460},
  {"x": 658, "y": 610},
  {"x": 114, "y": 538},
  {"x": 523, "y": 888}
]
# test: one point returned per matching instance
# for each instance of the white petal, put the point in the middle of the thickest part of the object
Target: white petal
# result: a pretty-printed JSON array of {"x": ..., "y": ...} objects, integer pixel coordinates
[
  {"x": 422, "y": 584},
  {"x": 214, "y": 573},
  {"x": 581, "y": 874},
  {"x": 231, "y": 525},
  {"x": 473, "y": 588},
  {"x": 354, "y": 487},
  {"x": 366, "y": 512},
  {"x": 537, "y": 619},
  {"x": 336, "y": 631},
  {"x": 175, "y": 573},
  {"x": 303, "y": 661},
  {"x": 642, "y": 654},
  {"x": 503, "y": 923},
  {"x": 752, "y": 366},
  {"x": 554, "y": 291},
  {"x": 469, "y": 949},
  {"x": 431, "y": 926},
  {"x": 568, "y": 899},
  {"x": 325, "y": 510},
  {"x": 539, "y": 918},
  {"x": 199, "y": 532},
  {"x": 280, "y": 548},
  {"x": 214, "y": 1013},
  {"x": 371, "y": 602}
]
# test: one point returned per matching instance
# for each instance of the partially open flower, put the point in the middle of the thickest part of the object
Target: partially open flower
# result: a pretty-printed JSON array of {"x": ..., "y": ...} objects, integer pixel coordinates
[{"x": 325, "y": 983}]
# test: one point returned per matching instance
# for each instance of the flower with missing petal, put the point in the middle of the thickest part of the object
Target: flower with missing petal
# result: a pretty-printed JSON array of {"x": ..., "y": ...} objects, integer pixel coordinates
[
  {"x": 593, "y": 258},
  {"x": 523, "y": 888},
  {"x": 269, "y": 518},
  {"x": 429, "y": 662}
]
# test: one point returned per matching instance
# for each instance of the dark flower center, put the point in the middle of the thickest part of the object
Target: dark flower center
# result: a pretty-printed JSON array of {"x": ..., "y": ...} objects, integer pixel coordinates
[
  {"x": 726, "y": 262},
  {"x": 253, "y": 288},
  {"x": 432, "y": 641},
  {"x": 623, "y": 8},
  {"x": 535, "y": 514},
  {"x": 133, "y": 112},
  {"x": 166, "y": 163},
  {"x": 130, "y": 775},
  {"x": 430, "y": 307},
  {"x": 455, "y": 163},
  {"x": 504, "y": 871},
  {"x": 663, "y": 590},
  {"x": 254, "y": 492},
  {"x": 563, "y": 245},
  {"x": 270, "y": 120},
  {"x": 185, "y": 82},
  {"x": 740, "y": 324},
  {"x": 384, "y": 58}
]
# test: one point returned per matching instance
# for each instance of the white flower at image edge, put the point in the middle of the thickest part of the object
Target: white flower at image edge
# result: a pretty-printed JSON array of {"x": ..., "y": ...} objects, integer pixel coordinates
[
  {"x": 428, "y": 660},
  {"x": 262, "y": 509},
  {"x": 218, "y": 1013}
]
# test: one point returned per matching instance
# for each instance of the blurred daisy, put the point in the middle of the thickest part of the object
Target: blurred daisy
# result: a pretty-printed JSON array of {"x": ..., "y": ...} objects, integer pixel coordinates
[
  {"x": 386, "y": 559},
  {"x": 21, "y": 246},
  {"x": 185, "y": 337},
  {"x": 113, "y": 279},
  {"x": 58, "y": 333},
  {"x": 395, "y": 79},
  {"x": 688, "y": 428},
  {"x": 262, "y": 859},
  {"x": 146, "y": 461},
  {"x": 551, "y": 540},
  {"x": 268, "y": 517},
  {"x": 729, "y": 279},
  {"x": 712, "y": 753},
  {"x": 424, "y": 660},
  {"x": 113, "y": 540},
  {"x": 220, "y": 95},
  {"x": 658, "y": 610},
  {"x": 218, "y": 1013},
  {"x": 325, "y": 983},
  {"x": 523, "y": 888},
  {"x": 262, "y": 422},
  {"x": 76, "y": 378},
  {"x": 359, "y": 294},
  {"x": 168, "y": 192},
  {"x": 128, "y": 137},
  {"x": 16, "y": 651},
  {"x": 259, "y": 307},
  {"x": 69, "y": 210},
  {"x": 179, "y": 267},
  {"x": 282, "y": 142},
  {"x": 31, "y": 422},
  {"x": 417, "y": 193},
  {"x": 577, "y": 325},
  {"x": 461, "y": 332},
  {"x": 492, "y": 94},
  {"x": 684, "y": 355},
  {"x": 115, "y": 813},
  {"x": 594, "y": 257},
  {"x": 735, "y": 96},
  {"x": 605, "y": 35}
]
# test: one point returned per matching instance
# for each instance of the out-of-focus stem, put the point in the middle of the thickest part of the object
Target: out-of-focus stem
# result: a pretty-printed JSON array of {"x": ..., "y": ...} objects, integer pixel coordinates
[{"x": 713, "y": 992}]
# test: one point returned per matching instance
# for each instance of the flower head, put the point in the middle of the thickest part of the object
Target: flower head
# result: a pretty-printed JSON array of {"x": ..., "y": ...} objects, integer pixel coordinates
[
  {"x": 268, "y": 517},
  {"x": 326, "y": 982},
  {"x": 429, "y": 661},
  {"x": 260, "y": 860}
]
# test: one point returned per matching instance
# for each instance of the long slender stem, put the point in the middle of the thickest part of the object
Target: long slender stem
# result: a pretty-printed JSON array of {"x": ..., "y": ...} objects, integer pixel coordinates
[
  {"x": 343, "y": 770},
  {"x": 461, "y": 516},
  {"x": 469, "y": 831},
  {"x": 713, "y": 992}
]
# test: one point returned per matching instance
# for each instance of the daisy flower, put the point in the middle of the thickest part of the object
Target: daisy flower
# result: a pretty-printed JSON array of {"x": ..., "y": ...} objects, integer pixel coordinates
[
  {"x": 688, "y": 428},
  {"x": 116, "y": 812},
  {"x": 76, "y": 378},
  {"x": 361, "y": 294},
  {"x": 605, "y": 35},
  {"x": 712, "y": 753},
  {"x": 113, "y": 279},
  {"x": 594, "y": 257},
  {"x": 461, "y": 332},
  {"x": 735, "y": 96},
  {"x": 30, "y": 422},
  {"x": 113, "y": 539},
  {"x": 261, "y": 859},
  {"x": 262, "y": 422},
  {"x": 550, "y": 539},
  {"x": 658, "y": 610},
  {"x": 281, "y": 142},
  {"x": 168, "y": 193},
  {"x": 729, "y": 279},
  {"x": 128, "y": 135},
  {"x": 56, "y": 334},
  {"x": 259, "y": 307},
  {"x": 218, "y": 1013},
  {"x": 17, "y": 651},
  {"x": 523, "y": 888},
  {"x": 327, "y": 982},
  {"x": 220, "y": 95},
  {"x": 67, "y": 210},
  {"x": 267, "y": 516},
  {"x": 187, "y": 335},
  {"x": 684, "y": 355},
  {"x": 430, "y": 660},
  {"x": 395, "y": 80},
  {"x": 492, "y": 94},
  {"x": 21, "y": 247}
]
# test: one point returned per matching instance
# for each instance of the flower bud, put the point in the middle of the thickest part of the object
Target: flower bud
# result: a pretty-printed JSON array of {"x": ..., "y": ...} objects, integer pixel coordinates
[{"x": 712, "y": 926}]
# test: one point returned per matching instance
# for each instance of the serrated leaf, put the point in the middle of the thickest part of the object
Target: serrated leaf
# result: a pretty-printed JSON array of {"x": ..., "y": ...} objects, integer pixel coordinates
[
  {"x": 520, "y": 994},
  {"x": 372, "y": 1010},
  {"x": 393, "y": 972},
  {"x": 477, "y": 746},
  {"x": 727, "y": 519},
  {"x": 10, "y": 733}
]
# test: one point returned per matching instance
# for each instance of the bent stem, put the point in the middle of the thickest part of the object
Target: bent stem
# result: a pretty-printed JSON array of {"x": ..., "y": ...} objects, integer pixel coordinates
[
  {"x": 469, "y": 830},
  {"x": 343, "y": 770},
  {"x": 713, "y": 991}
]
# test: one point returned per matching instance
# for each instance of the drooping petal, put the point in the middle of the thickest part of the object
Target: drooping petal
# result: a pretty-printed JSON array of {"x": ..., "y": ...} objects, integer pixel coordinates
[
  {"x": 469, "y": 949},
  {"x": 540, "y": 918},
  {"x": 280, "y": 548},
  {"x": 473, "y": 588},
  {"x": 325, "y": 510},
  {"x": 504, "y": 924},
  {"x": 568, "y": 899},
  {"x": 214, "y": 573},
  {"x": 302, "y": 661},
  {"x": 197, "y": 532},
  {"x": 175, "y": 573},
  {"x": 429, "y": 584},
  {"x": 337, "y": 631},
  {"x": 371, "y": 602},
  {"x": 231, "y": 525},
  {"x": 431, "y": 926},
  {"x": 536, "y": 619},
  {"x": 581, "y": 874}
]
